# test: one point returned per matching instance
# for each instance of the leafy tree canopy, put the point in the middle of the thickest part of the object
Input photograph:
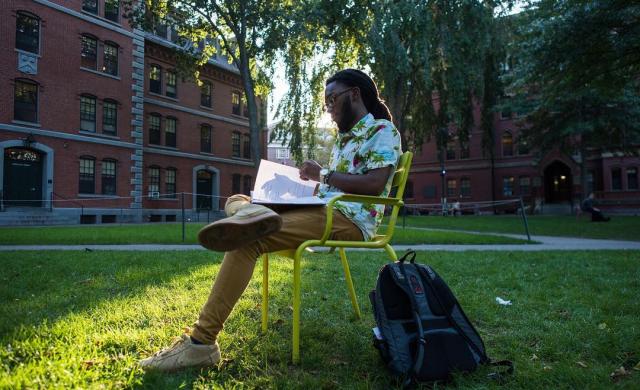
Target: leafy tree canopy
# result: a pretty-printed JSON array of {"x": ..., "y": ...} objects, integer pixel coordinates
[{"x": 576, "y": 73}]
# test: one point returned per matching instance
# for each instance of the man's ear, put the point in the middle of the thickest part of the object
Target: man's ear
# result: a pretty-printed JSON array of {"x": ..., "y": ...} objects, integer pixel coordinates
[{"x": 356, "y": 94}]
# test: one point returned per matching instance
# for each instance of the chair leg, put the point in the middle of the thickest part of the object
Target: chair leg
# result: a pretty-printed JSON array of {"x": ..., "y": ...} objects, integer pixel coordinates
[
  {"x": 347, "y": 276},
  {"x": 391, "y": 252},
  {"x": 265, "y": 292},
  {"x": 296, "y": 307}
]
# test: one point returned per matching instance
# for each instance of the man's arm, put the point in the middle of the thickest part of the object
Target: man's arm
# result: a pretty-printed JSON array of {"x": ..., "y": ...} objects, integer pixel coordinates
[{"x": 371, "y": 183}]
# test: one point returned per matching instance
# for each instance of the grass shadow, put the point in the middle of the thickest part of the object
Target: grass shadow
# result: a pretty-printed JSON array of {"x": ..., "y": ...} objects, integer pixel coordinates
[{"x": 567, "y": 308}]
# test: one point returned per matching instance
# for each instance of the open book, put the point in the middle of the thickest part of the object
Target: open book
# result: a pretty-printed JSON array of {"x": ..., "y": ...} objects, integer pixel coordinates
[{"x": 281, "y": 184}]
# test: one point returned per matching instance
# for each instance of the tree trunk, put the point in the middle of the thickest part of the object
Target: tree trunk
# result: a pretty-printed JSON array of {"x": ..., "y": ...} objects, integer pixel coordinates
[{"x": 254, "y": 123}]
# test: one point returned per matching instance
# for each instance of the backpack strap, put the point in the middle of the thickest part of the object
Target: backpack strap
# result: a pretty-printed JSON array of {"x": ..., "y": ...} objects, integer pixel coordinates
[
  {"x": 418, "y": 358},
  {"x": 426, "y": 278},
  {"x": 410, "y": 253}
]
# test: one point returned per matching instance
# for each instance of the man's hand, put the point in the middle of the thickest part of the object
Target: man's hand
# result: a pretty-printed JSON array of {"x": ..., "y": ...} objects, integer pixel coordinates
[{"x": 310, "y": 170}]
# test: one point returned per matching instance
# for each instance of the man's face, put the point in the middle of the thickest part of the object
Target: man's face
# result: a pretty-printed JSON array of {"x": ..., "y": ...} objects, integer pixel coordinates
[{"x": 337, "y": 98}]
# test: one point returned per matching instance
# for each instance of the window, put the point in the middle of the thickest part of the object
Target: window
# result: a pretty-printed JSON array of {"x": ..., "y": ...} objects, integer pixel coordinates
[
  {"x": 88, "y": 113},
  {"x": 464, "y": 150},
  {"x": 110, "y": 64},
  {"x": 507, "y": 144},
  {"x": 523, "y": 147},
  {"x": 524, "y": 182},
  {"x": 111, "y": 10},
  {"x": 452, "y": 186},
  {"x": 154, "y": 129},
  {"x": 451, "y": 150},
  {"x": 109, "y": 117},
  {"x": 160, "y": 30},
  {"x": 616, "y": 179},
  {"x": 172, "y": 85},
  {"x": 108, "y": 177},
  {"x": 170, "y": 183},
  {"x": 507, "y": 186},
  {"x": 90, "y": 6},
  {"x": 154, "y": 179},
  {"x": 27, "y": 33},
  {"x": 465, "y": 186},
  {"x": 205, "y": 94},
  {"x": 25, "y": 101},
  {"x": 235, "y": 145},
  {"x": 155, "y": 79},
  {"x": 246, "y": 185},
  {"x": 245, "y": 106},
  {"x": 632, "y": 178},
  {"x": 170, "y": 132},
  {"x": 246, "y": 146},
  {"x": 408, "y": 190},
  {"x": 89, "y": 53},
  {"x": 282, "y": 154},
  {"x": 537, "y": 181},
  {"x": 235, "y": 103},
  {"x": 235, "y": 183},
  {"x": 87, "y": 175},
  {"x": 205, "y": 139},
  {"x": 505, "y": 113}
]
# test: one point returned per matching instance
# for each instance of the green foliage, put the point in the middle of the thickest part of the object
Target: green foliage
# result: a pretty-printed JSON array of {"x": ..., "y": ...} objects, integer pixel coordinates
[
  {"x": 576, "y": 74},
  {"x": 248, "y": 33},
  {"x": 415, "y": 50}
]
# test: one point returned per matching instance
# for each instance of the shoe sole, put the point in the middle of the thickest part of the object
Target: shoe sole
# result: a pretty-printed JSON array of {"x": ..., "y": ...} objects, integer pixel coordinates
[{"x": 229, "y": 234}]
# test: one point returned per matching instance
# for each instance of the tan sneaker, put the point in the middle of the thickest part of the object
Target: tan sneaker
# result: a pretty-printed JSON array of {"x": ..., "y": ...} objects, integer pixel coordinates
[
  {"x": 183, "y": 353},
  {"x": 248, "y": 224}
]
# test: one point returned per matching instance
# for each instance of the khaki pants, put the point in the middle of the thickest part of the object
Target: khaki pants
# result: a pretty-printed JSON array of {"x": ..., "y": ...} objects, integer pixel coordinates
[{"x": 298, "y": 225}]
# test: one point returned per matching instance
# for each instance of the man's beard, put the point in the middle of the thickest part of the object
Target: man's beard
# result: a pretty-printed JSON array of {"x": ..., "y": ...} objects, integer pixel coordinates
[{"x": 346, "y": 119}]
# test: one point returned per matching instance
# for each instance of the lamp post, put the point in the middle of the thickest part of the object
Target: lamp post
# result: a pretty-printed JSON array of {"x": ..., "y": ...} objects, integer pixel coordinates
[{"x": 443, "y": 134}]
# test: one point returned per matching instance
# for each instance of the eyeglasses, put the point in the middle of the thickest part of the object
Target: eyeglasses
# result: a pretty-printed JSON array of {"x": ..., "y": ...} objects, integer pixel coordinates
[{"x": 330, "y": 100}]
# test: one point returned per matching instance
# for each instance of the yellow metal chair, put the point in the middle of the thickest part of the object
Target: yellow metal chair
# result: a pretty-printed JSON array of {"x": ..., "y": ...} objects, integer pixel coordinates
[{"x": 379, "y": 241}]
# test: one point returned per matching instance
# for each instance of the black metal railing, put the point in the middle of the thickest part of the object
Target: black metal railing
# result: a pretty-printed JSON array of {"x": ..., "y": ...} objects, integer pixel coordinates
[{"x": 64, "y": 199}]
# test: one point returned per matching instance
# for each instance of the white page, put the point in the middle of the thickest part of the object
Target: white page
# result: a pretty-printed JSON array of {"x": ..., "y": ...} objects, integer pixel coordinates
[{"x": 281, "y": 184}]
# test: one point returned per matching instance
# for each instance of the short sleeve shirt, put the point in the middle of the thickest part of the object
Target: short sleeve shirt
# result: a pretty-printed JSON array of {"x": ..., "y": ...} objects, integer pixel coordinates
[{"x": 370, "y": 144}]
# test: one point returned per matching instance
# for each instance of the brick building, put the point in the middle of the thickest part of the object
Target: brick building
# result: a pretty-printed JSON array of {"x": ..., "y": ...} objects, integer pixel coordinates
[
  {"x": 97, "y": 126},
  {"x": 548, "y": 182}
]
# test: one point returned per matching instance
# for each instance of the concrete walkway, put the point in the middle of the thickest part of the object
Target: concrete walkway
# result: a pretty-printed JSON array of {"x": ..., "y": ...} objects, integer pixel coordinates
[{"x": 546, "y": 243}]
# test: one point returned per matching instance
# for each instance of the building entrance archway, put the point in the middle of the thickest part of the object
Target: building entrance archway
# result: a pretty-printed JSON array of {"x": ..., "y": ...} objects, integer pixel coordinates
[
  {"x": 204, "y": 189},
  {"x": 558, "y": 183},
  {"x": 22, "y": 179}
]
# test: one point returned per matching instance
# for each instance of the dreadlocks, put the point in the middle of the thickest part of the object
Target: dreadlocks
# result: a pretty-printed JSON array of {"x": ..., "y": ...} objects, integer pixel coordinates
[{"x": 368, "y": 91}]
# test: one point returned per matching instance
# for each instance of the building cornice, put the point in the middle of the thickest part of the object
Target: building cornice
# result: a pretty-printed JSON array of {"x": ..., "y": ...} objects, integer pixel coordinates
[
  {"x": 68, "y": 136},
  {"x": 214, "y": 62},
  {"x": 121, "y": 144},
  {"x": 195, "y": 112},
  {"x": 87, "y": 18},
  {"x": 435, "y": 167},
  {"x": 174, "y": 153}
]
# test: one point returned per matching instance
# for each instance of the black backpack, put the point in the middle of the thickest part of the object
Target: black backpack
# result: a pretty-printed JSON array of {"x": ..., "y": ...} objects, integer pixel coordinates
[{"x": 422, "y": 333}]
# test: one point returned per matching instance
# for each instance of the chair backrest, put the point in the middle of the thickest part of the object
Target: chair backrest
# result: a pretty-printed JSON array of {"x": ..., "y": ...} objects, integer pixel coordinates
[
  {"x": 397, "y": 189},
  {"x": 402, "y": 174}
]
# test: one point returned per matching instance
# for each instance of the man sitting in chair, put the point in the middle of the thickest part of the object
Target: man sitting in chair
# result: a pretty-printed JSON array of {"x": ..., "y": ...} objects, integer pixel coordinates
[
  {"x": 363, "y": 160},
  {"x": 596, "y": 214}
]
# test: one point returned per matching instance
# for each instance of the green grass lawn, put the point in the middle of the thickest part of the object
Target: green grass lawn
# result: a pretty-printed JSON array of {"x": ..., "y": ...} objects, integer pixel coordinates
[
  {"x": 82, "y": 319},
  {"x": 172, "y": 234},
  {"x": 619, "y": 228}
]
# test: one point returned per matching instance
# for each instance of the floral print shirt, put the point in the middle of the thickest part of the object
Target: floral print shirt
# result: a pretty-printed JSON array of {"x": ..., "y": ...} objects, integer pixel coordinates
[{"x": 370, "y": 144}]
